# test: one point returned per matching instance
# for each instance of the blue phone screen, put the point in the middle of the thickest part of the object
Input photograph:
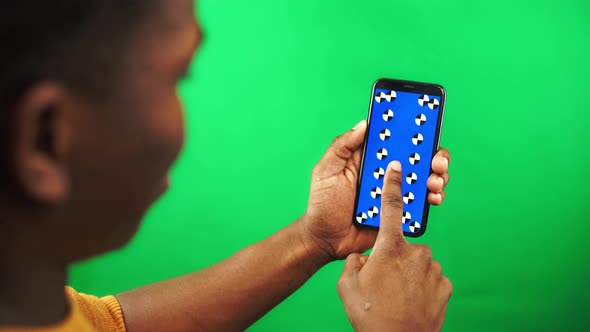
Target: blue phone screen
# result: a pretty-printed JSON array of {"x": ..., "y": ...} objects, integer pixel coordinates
[{"x": 402, "y": 127}]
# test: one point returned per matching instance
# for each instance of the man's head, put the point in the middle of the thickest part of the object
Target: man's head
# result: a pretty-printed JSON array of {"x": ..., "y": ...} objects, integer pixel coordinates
[{"x": 90, "y": 120}]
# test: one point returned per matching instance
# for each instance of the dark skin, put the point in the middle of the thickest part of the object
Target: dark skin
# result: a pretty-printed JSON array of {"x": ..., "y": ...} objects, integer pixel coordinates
[{"x": 105, "y": 162}]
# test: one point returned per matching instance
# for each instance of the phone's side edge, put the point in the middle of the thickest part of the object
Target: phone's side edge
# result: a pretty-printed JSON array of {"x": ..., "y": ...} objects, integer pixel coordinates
[{"x": 362, "y": 166}]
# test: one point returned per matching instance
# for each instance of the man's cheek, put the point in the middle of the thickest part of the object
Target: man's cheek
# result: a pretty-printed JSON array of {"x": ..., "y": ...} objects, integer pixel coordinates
[{"x": 167, "y": 134}]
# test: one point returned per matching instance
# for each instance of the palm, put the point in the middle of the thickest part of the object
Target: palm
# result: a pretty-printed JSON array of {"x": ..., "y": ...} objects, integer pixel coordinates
[
  {"x": 330, "y": 213},
  {"x": 330, "y": 209}
]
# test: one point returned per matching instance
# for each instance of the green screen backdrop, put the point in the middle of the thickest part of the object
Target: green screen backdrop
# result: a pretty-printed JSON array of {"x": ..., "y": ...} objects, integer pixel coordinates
[{"x": 512, "y": 234}]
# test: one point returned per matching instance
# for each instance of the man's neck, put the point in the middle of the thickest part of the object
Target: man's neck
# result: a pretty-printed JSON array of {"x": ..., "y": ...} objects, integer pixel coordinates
[{"x": 31, "y": 290}]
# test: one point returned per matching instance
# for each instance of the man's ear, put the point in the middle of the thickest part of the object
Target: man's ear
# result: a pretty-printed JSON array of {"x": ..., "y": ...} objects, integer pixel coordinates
[{"x": 41, "y": 128}]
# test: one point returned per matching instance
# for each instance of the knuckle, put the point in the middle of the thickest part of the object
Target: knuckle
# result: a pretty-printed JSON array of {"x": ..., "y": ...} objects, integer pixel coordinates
[
  {"x": 436, "y": 268},
  {"x": 448, "y": 286},
  {"x": 393, "y": 201},
  {"x": 336, "y": 140},
  {"x": 424, "y": 251},
  {"x": 395, "y": 180},
  {"x": 317, "y": 169},
  {"x": 397, "y": 246},
  {"x": 335, "y": 145},
  {"x": 339, "y": 284},
  {"x": 352, "y": 258},
  {"x": 393, "y": 247},
  {"x": 339, "y": 148}
]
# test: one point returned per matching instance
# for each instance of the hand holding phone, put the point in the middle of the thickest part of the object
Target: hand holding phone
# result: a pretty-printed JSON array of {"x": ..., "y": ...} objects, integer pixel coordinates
[
  {"x": 398, "y": 287},
  {"x": 405, "y": 120}
]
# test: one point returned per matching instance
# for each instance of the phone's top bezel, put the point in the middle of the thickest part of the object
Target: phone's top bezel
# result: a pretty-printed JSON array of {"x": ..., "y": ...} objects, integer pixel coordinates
[
  {"x": 409, "y": 86},
  {"x": 404, "y": 86}
]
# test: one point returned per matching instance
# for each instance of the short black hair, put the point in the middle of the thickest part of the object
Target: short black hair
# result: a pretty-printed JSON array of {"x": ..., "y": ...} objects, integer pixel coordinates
[{"x": 74, "y": 42}]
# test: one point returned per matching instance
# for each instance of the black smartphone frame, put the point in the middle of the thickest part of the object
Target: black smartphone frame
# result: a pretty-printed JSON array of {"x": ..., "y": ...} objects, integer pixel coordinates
[{"x": 404, "y": 86}]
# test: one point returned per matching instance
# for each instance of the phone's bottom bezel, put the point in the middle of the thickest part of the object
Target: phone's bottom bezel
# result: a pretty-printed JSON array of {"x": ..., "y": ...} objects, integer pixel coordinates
[{"x": 423, "y": 223}]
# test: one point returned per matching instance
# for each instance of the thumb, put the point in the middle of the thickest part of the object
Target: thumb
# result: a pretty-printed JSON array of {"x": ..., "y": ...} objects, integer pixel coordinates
[
  {"x": 354, "y": 263},
  {"x": 391, "y": 236},
  {"x": 349, "y": 277},
  {"x": 342, "y": 149}
]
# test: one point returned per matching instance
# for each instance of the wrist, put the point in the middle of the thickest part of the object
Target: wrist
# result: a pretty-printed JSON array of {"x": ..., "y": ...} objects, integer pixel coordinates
[{"x": 317, "y": 249}]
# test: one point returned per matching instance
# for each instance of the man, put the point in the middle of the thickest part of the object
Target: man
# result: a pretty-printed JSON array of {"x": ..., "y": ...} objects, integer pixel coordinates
[{"x": 90, "y": 124}]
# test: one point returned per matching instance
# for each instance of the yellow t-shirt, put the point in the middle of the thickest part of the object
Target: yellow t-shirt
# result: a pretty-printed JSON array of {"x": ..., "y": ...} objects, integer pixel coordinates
[{"x": 87, "y": 314}]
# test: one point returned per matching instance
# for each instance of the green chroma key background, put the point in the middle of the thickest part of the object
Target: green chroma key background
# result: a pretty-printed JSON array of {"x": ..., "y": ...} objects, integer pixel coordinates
[{"x": 275, "y": 81}]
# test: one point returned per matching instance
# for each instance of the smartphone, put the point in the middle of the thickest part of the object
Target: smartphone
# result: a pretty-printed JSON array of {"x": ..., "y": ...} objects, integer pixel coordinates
[{"x": 404, "y": 124}]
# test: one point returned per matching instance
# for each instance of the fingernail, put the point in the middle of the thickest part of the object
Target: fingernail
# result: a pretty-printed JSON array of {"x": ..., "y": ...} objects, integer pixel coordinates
[
  {"x": 358, "y": 125},
  {"x": 445, "y": 162},
  {"x": 441, "y": 181},
  {"x": 396, "y": 166}
]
